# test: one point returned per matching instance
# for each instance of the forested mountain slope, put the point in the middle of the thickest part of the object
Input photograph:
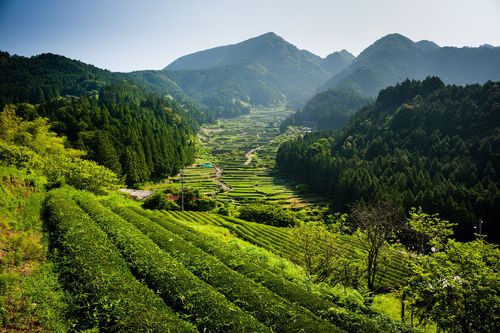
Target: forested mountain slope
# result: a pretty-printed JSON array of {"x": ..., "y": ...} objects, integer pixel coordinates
[
  {"x": 421, "y": 144},
  {"x": 265, "y": 70},
  {"x": 328, "y": 110},
  {"x": 120, "y": 124},
  {"x": 395, "y": 58}
]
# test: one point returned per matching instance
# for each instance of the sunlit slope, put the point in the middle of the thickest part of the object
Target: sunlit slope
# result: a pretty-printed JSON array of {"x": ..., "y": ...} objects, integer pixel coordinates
[{"x": 186, "y": 271}]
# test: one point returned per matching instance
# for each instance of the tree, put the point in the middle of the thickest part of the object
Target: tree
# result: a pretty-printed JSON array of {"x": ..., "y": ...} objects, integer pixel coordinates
[
  {"x": 458, "y": 288},
  {"x": 378, "y": 223},
  {"x": 317, "y": 252},
  {"x": 430, "y": 230}
]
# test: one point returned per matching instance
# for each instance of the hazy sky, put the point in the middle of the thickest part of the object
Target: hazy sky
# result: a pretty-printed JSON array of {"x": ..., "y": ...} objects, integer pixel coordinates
[{"x": 125, "y": 35}]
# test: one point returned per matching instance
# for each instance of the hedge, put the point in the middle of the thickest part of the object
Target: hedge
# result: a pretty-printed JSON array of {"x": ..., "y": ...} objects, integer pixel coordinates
[
  {"x": 103, "y": 291},
  {"x": 241, "y": 262},
  {"x": 201, "y": 303},
  {"x": 271, "y": 309}
]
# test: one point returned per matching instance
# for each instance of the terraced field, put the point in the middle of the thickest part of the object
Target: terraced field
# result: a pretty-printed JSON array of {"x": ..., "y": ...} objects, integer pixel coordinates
[
  {"x": 129, "y": 270},
  {"x": 279, "y": 241},
  {"x": 242, "y": 151}
]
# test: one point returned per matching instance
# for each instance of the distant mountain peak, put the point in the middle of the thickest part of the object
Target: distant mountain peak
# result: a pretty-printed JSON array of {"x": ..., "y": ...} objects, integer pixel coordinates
[
  {"x": 394, "y": 38},
  {"x": 427, "y": 45},
  {"x": 337, "y": 61},
  {"x": 269, "y": 34},
  {"x": 394, "y": 58}
]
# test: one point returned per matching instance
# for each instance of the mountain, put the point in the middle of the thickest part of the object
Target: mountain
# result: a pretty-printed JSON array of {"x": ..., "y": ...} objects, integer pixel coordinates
[
  {"x": 265, "y": 70},
  {"x": 337, "y": 61},
  {"x": 420, "y": 144},
  {"x": 395, "y": 58},
  {"x": 328, "y": 110}
]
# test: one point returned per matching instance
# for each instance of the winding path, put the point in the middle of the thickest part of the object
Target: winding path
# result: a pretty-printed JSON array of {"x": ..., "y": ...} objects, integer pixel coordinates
[
  {"x": 218, "y": 177},
  {"x": 249, "y": 156}
]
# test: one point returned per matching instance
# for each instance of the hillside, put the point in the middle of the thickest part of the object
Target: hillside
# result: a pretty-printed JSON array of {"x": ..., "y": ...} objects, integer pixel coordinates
[
  {"x": 120, "y": 124},
  {"x": 335, "y": 62},
  {"x": 265, "y": 70},
  {"x": 204, "y": 279},
  {"x": 328, "y": 110},
  {"x": 421, "y": 144},
  {"x": 394, "y": 58}
]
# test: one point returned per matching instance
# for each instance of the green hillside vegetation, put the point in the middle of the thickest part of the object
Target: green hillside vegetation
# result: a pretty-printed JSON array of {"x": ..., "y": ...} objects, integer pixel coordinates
[
  {"x": 421, "y": 144},
  {"x": 328, "y": 110},
  {"x": 138, "y": 135},
  {"x": 265, "y": 70},
  {"x": 394, "y": 58},
  {"x": 196, "y": 275},
  {"x": 337, "y": 61},
  {"x": 32, "y": 160}
]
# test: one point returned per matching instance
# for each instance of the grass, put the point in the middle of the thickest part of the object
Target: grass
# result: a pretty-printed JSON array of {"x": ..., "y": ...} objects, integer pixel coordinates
[{"x": 31, "y": 298}]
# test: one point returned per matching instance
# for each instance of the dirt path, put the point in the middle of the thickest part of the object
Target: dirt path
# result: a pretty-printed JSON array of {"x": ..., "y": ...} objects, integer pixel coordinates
[
  {"x": 249, "y": 156},
  {"x": 218, "y": 177},
  {"x": 136, "y": 194}
]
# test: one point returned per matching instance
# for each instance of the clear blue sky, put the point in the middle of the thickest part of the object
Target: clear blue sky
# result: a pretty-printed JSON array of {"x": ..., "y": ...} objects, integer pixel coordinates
[{"x": 125, "y": 35}]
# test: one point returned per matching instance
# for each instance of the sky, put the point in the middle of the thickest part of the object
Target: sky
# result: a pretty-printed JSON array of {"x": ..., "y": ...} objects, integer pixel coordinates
[{"x": 126, "y": 35}]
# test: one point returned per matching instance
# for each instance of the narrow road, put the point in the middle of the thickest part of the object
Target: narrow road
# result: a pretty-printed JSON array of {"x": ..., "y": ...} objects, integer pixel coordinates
[
  {"x": 249, "y": 156},
  {"x": 218, "y": 177}
]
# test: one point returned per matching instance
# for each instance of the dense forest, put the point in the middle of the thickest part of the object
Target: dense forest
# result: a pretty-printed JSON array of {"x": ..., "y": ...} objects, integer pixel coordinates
[
  {"x": 135, "y": 133},
  {"x": 328, "y": 110},
  {"x": 420, "y": 144}
]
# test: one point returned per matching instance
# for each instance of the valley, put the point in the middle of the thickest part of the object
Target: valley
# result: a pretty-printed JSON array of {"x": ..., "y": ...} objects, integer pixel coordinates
[
  {"x": 241, "y": 183},
  {"x": 235, "y": 161}
]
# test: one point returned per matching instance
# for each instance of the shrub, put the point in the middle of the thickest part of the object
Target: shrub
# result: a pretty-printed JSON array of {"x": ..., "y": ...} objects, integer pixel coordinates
[
  {"x": 103, "y": 291},
  {"x": 159, "y": 200},
  {"x": 267, "y": 214},
  {"x": 266, "y": 306},
  {"x": 241, "y": 262},
  {"x": 209, "y": 310}
]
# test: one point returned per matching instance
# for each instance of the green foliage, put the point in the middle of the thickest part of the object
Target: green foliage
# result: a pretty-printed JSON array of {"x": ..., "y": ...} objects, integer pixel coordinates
[
  {"x": 266, "y": 306},
  {"x": 317, "y": 253},
  {"x": 32, "y": 301},
  {"x": 160, "y": 200},
  {"x": 253, "y": 267},
  {"x": 32, "y": 146},
  {"x": 103, "y": 292},
  {"x": 268, "y": 214},
  {"x": 121, "y": 125},
  {"x": 171, "y": 199},
  {"x": 328, "y": 110},
  {"x": 458, "y": 288},
  {"x": 30, "y": 295},
  {"x": 430, "y": 230},
  {"x": 179, "y": 288},
  {"x": 420, "y": 144}
]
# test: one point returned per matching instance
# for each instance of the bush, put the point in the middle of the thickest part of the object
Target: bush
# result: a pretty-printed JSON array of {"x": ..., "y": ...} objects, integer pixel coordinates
[
  {"x": 244, "y": 264},
  {"x": 266, "y": 306},
  {"x": 267, "y": 214},
  {"x": 209, "y": 310},
  {"x": 159, "y": 200},
  {"x": 103, "y": 291}
]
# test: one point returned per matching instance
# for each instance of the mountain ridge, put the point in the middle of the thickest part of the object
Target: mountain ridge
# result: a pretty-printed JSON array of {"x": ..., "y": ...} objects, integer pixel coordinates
[
  {"x": 264, "y": 70},
  {"x": 394, "y": 58}
]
